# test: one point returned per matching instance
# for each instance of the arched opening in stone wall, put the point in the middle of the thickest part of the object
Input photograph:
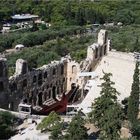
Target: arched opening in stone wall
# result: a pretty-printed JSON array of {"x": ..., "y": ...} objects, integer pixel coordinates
[
  {"x": 105, "y": 50},
  {"x": 96, "y": 52},
  {"x": 25, "y": 83},
  {"x": 74, "y": 69},
  {"x": 73, "y": 86},
  {"x": 13, "y": 87},
  {"x": 45, "y": 74},
  {"x": 54, "y": 92},
  {"x": 34, "y": 79},
  {"x": 58, "y": 92},
  {"x": 25, "y": 100},
  {"x": 49, "y": 95},
  {"x": 1, "y": 86},
  {"x": 1, "y": 69},
  {"x": 40, "y": 79},
  {"x": 63, "y": 79},
  {"x": 40, "y": 99},
  {"x": 101, "y": 51},
  {"x": 24, "y": 68},
  {"x": 62, "y": 88},
  {"x": 54, "y": 71},
  {"x": 62, "y": 70},
  {"x": 34, "y": 101}
]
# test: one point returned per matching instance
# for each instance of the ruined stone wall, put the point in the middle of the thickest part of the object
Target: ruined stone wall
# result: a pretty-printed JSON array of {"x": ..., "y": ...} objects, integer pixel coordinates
[
  {"x": 3, "y": 84},
  {"x": 49, "y": 81},
  {"x": 95, "y": 52},
  {"x": 37, "y": 86}
]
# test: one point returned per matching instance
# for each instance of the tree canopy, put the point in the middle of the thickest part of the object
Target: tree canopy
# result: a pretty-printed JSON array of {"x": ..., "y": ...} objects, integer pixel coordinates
[
  {"x": 133, "y": 102},
  {"x": 77, "y": 12},
  {"x": 76, "y": 129},
  {"x": 6, "y": 124},
  {"x": 107, "y": 114}
]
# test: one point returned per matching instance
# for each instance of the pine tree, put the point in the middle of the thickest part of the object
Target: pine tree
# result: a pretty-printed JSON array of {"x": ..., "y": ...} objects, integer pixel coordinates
[
  {"x": 76, "y": 129},
  {"x": 107, "y": 113},
  {"x": 133, "y": 102}
]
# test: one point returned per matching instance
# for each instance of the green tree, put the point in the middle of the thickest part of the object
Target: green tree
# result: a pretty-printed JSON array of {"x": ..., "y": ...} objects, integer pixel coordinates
[
  {"x": 133, "y": 102},
  {"x": 76, "y": 129},
  {"x": 49, "y": 122},
  {"x": 6, "y": 125},
  {"x": 136, "y": 129},
  {"x": 56, "y": 131},
  {"x": 52, "y": 123},
  {"x": 107, "y": 114}
]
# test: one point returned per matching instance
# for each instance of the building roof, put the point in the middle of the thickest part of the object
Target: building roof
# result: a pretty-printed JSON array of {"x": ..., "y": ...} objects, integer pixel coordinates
[{"x": 24, "y": 16}]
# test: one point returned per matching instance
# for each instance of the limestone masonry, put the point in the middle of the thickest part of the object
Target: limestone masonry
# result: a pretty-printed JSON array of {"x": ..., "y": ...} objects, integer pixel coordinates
[{"x": 50, "y": 81}]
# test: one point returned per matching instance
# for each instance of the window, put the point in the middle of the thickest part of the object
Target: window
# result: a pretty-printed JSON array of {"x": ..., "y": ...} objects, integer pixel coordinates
[
  {"x": 40, "y": 79},
  {"x": 25, "y": 83},
  {"x": 96, "y": 52},
  {"x": 1, "y": 69},
  {"x": 105, "y": 50},
  {"x": 58, "y": 90},
  {"x": 62, "y": 69},
  {"x": 34, "y": 79},
  {"x": 63, "y": 80},
  {"x": 13, "y": 87},
  {"x": 1, "y": 86},
  {"x": 101, "y": 52},
  {"x": 74, "y": 69},
  {"x": 45, "y": 74},
  {"x": 54, "y": 71}
]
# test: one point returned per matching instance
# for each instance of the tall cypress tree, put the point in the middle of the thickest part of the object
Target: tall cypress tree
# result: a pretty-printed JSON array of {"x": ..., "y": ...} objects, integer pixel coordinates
[
  {"x": 133, "y": 102},
  {"x": 107, "y": 113}
]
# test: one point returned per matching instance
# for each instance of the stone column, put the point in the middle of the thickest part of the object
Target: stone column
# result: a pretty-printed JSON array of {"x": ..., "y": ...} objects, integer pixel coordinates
[{"x": 21, "y": 67}]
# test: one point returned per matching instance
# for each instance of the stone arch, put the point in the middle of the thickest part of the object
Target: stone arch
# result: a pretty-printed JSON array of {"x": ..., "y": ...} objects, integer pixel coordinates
[
  {"x": 54, "y": 71},
  {"x": 73, "y": 86},
  {"x": 62, "y": 69},
  {"x": 54, "y": 92},
  {"x": 105, "y": 50},
  {"x": 24, "y": 83},
  {"x": 96, "y": 53},
  {"x": 50, "y": 94},
  {"x": 13, "y": 86},
  {"x": 45, "y": 74},
  {"x": 62, "y": 88},
  {"x": 64, "y": 79},
  {"x": 58, "y": 92},
  {"x": 40, "y": 99},
  {"x": 40, "y": 79},
  {"x": 34, "y": 79},
  {"x": 101, "y": 51},
  {"x": 1, "y": 86},
  {"x": 74, "y": 69},
  {"x": 1, "y": 69}
]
